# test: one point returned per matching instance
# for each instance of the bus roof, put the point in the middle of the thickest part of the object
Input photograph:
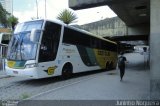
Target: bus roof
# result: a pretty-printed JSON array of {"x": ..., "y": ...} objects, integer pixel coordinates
[{"x": 74, "y": 28}]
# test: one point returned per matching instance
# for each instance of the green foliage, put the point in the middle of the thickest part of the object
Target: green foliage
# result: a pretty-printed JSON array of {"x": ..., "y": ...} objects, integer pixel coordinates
[
  {"x": 24, "y": 96},
  {"x": 67, "y": 16},
  {"x": 12, "y": 21},
  {"x": 3, "y": 16},
  {"x": 0, "y": 103},
  {"x": 6, "y": 19}
]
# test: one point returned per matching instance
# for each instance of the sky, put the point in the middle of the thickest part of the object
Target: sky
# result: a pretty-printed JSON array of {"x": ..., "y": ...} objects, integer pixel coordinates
[{"x": 26, "y": 9}]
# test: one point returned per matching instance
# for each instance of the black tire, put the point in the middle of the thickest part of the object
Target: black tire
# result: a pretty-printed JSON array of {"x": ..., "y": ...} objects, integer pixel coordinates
[
  {"x": 111, "y": 66},
  {"x": 107, "y": 66},
  {"x": 67, "y": 71}
]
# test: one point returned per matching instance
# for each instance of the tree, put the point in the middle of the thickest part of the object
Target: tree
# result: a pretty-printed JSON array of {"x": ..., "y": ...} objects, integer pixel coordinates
[
  {"x": 3, "y": 16},
  {"x": 67, "y": 16},
  {"x": 6, "y": 20},
  {"x": 12, "y": 21}
]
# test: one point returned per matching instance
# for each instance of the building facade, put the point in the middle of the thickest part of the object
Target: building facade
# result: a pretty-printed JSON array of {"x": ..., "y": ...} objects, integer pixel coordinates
[{"x": 107, "y": 27}]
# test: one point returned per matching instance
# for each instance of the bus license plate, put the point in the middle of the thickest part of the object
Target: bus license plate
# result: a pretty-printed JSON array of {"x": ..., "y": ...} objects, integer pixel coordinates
[{"x": 15, "y": 72}]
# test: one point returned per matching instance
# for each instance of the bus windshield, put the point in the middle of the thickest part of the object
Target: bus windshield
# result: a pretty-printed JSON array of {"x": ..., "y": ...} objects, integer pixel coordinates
[{"x": 21, "y": 47}]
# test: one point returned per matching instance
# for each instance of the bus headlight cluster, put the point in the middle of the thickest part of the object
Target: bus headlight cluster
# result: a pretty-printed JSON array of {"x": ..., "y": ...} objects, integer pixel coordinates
[{"x": 31, "y": 65}]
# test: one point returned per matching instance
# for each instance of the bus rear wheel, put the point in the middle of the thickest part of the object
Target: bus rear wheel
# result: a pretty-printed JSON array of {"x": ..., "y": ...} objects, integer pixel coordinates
[{"x": 67, "y": 71}]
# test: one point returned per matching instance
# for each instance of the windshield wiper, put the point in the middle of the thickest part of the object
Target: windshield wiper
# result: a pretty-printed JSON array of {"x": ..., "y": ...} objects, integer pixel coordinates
[
  {"x": 17, "y": 47},
  {"x": 21, "y": 43}
]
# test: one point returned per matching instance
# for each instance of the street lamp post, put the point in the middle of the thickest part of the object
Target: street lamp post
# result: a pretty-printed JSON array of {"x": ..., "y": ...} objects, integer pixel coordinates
[
  {"x": 37, "y": 8},
  {"x": 45, "y": 10},
  {"x": 12, "y": 7}
]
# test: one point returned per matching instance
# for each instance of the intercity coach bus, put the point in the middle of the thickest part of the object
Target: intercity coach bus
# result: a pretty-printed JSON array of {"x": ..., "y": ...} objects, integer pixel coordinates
[{"x": 44, "y": 48}]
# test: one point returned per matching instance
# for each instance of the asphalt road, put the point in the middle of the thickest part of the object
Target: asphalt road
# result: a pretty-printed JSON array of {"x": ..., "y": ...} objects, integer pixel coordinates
[{"x": 87, "y": 86}]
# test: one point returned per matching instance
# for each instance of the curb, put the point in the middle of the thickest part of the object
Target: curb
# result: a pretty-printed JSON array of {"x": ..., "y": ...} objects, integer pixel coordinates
[{"x": 4, "y": 76}]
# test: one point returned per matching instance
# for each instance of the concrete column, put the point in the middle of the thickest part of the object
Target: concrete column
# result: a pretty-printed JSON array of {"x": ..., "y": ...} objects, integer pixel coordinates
[{"x": 155, "y": 49}]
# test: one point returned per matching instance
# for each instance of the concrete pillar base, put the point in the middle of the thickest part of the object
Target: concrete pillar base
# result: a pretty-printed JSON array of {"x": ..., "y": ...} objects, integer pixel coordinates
[{"x": 155, "y": 89}]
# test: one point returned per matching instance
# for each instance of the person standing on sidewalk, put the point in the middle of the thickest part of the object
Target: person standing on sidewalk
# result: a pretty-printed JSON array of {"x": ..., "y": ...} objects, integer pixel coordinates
[{"x": 121, "y": 64}]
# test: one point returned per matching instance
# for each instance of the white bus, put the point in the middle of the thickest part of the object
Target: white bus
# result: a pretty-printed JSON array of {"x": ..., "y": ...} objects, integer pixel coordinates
[{"x": 43, "y": 48}]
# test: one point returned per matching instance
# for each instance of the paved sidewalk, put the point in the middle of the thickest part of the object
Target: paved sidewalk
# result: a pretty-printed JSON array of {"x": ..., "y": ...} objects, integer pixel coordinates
[
  {"x": 3, "y": 74},
  {"x": 107, "y": 85}
]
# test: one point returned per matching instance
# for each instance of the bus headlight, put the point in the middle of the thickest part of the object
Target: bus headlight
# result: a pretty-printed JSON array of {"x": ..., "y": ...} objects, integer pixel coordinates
[{"x": 31, "y": 65}]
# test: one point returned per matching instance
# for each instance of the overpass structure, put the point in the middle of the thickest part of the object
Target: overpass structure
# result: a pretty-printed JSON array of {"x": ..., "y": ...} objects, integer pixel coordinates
[{"x": 142, "y": 17}]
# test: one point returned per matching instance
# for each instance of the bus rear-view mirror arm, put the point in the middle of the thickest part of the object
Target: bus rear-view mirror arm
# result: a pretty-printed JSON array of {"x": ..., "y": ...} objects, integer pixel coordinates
[{"x": 33, "y": 36}]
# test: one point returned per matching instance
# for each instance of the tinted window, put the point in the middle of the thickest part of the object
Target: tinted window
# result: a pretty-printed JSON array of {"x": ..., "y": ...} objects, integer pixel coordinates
[
  {"x": 78, "y": 38},
  {"x": 50, "y": 42}
]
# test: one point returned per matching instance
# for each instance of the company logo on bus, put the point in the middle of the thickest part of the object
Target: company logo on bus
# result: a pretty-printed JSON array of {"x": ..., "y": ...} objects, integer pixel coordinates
[
  {"x": 11, "y": 64},
  {"x": 50, "y": 70},
  {"x": 16, "y": 64}
]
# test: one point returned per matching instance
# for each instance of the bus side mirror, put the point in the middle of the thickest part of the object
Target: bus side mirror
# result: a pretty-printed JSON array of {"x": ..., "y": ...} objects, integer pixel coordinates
[{"x": 33, "y": 35}]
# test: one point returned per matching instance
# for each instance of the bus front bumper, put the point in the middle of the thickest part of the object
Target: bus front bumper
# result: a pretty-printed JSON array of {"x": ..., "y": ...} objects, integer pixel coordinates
[{"x": 31, "y": 73}]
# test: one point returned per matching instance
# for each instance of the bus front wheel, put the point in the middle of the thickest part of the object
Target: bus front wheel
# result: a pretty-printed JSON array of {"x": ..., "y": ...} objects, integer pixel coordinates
[
  {"x": 107, "y": 66},
  {"x": 67, "y": 71}
]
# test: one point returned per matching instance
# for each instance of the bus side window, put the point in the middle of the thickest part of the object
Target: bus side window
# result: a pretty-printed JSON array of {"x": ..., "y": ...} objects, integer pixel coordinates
[
  {"x": 50, "y": 41},
  {"x": 43, "y": 46},
  {"x": 93, "y": 43}
]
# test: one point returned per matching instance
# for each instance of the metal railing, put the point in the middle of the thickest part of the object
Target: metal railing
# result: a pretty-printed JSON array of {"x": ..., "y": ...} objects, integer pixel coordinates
[{"x": 3, "y": 54}]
